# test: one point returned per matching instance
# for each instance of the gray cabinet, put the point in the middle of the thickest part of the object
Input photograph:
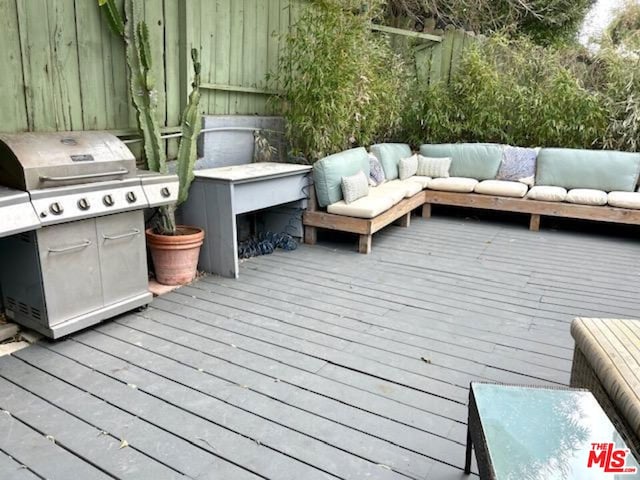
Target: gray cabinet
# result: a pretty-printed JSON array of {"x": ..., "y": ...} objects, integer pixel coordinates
[
  {"x": 70, "y": 265},
  {"x": 123, "y": 257}
]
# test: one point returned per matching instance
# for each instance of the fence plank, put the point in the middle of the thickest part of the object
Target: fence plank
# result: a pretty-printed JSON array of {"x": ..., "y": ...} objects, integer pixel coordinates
[
  {"x": 223, "y": 54},
  {"x": 447, "y": 50},
  {"x": 262, "y": 53},
  {"x": 172, "y": 69},
  {"x": 12, "y": 100},
  {"x": 34, "y": 41},
  {"x": 456, "y": 54},
  {"x": 92, "y": 80},
  {"x": 64, "y": 64}
]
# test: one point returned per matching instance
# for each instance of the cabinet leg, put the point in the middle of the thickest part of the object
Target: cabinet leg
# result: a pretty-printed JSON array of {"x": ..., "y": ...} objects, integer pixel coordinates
[
  {"x": 404, "y": 221},
  {"x": 426, "y": 210},
  {"x": 364, "y": 244},
  {"x": 310, "y": 235},
  {"x": 534, "y": 224}
]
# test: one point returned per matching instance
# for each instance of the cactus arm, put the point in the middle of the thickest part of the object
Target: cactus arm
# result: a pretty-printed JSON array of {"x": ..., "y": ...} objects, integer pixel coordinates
[
  {"x": 114, "y": 19},
  {"x": 187, "y": 151}
]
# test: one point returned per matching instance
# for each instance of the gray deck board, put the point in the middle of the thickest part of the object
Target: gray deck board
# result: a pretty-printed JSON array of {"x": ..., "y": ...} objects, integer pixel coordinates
[{"x": 317, "y": 363}]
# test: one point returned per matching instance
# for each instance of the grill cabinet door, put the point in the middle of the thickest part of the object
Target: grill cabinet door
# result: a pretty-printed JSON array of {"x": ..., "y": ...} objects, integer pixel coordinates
[
  {"x": 123, "y": 256},
  {"x": 70, "y": 269}
]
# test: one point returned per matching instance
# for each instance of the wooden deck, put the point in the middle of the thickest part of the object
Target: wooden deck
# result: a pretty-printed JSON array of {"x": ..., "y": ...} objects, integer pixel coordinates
[{"x": 318, "y": 363}]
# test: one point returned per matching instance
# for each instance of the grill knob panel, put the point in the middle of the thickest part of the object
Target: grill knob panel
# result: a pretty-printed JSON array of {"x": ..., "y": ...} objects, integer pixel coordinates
[
  {"x": 165, "y": 192},
  {"x": 56, "y": 208},
  {"x": 83, "y": 204},
  {"x": 108, "y": 200},
  {"x": 131, "y": 197}
]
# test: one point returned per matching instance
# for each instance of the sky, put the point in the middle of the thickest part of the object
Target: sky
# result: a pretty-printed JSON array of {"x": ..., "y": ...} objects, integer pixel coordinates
[{"x": 598, "y": 18}]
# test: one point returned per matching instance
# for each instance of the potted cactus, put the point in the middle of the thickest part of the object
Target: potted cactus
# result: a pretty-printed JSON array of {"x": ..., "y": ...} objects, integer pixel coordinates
[{"x": 174, "y": 248}]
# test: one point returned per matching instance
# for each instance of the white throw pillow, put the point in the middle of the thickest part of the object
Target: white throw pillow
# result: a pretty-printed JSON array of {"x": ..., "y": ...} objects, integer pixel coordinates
[
  {"x": 355, "y": 187},
  {"x": 547, "y": 194},
  {"x": 624, "y": 200},
  {"x": 453, "y": 184},
  {"x": 434, "y": 167},
  {"x": 587, "y": 196},
  {"x": 407, "y": 167},
  {"x": 502, "y": 188}
]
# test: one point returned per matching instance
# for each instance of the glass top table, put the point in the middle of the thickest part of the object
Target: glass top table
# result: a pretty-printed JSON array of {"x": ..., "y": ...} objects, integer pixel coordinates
[{"x": 538, "y": 433}]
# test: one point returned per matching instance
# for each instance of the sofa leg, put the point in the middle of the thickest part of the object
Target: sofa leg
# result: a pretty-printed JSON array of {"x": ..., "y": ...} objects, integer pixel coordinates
[
  {"x": 364, "y": 244},
  {"x": 426, "y": 210},
  {"x": 404, "y": 221},
  {"x": 534, "y": 223},
  {"x": 310, "y": 235}
]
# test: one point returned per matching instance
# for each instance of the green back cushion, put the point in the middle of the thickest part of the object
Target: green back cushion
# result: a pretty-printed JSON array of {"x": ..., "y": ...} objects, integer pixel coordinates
[
  {"x": 328, "y": 173},
  {"x": 472, "y": 160},
  {"x": 389, "y": 155},
  {"x": 598, "y": 169}
]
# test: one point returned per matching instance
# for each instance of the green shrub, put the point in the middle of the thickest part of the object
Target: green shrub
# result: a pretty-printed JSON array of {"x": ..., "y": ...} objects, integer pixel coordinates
[
  {"x": 343, "y": 85},
  {"x": 510, "y": 92}
]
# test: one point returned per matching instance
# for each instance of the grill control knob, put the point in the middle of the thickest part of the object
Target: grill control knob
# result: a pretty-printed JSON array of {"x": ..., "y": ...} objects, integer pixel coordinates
[
  {"x": 56, "y": 208},
  {"x": 131, "y": 197},
  {"x": 165, "y": 192},
  {"x": 83, "y": 204},
  {"x": 108, "y": 200}
]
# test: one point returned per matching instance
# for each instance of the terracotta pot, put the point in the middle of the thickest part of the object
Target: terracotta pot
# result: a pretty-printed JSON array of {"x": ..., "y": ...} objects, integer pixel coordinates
[{"x": 175, "y": 257}]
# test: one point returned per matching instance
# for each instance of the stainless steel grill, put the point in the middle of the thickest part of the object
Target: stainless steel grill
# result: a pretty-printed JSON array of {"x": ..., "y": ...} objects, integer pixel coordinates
[{"x": 71, "y": 212}]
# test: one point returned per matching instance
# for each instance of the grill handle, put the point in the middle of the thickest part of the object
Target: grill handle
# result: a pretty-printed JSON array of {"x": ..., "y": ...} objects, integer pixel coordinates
[
  {"x": 132, "y": 233},
  {"x": 45, "y": 178},
  {"x": 84, "y": 244}
]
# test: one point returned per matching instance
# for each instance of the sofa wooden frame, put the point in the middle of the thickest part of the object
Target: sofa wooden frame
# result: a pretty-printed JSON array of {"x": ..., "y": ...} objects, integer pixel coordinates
[
  {"x": 313, "y": 219},
  {"x": 401, "y": 213},
  {"x": 535, "y": 208}
]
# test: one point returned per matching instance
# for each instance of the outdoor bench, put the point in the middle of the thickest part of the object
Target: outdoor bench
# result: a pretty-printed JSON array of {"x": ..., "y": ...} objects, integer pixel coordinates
[
  {"x": 390, "y": 202},
  {"x": 606, "y": 360},
  {"x": 594, "y": 185}
]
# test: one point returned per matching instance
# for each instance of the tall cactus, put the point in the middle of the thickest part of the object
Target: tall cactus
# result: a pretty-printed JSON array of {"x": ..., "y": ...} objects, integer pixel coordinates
[
  {"x": 142, "y": 89},
  {"x": 144, "y": 96},
  {"x": 187, "y": 151}
]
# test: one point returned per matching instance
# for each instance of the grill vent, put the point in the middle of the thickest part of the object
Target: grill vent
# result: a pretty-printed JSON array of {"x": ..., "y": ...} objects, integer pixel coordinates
[
  {"x": 11, "y": 303},
  {"x": 23, "y": 308},
  {"x": 25, "y": 237}
]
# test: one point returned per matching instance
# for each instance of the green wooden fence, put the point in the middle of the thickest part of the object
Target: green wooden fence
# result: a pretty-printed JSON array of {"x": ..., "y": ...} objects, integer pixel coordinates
[
  {"x": 437, "y": 61},
  {"x": 62, "y": 68}
]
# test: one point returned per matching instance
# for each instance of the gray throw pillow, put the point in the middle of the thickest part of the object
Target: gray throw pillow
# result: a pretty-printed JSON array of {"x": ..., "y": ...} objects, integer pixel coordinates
[
  {"x": 376, "y": 173},
  {"x": 408, "y": 167},
  {"x": 518, "y": 165},
  {"x": 434, "y": 167},
  {"x": 355, "y": 187}
]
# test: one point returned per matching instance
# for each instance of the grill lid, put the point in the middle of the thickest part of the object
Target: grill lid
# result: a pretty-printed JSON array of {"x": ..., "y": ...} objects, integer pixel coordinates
[{"x": 30, "y": 161}]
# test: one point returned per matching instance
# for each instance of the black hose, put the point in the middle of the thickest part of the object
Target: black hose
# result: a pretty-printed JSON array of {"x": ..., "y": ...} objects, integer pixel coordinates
[{"x": 266, "y": 243}]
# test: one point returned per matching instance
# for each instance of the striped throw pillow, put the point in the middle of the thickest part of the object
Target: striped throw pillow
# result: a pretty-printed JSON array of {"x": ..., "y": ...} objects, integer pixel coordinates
[
  {"x": 434, "y": 167},
  {"x": 355, "y": 187}
]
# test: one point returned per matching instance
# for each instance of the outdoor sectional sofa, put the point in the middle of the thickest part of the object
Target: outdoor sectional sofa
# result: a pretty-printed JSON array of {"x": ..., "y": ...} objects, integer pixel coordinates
[{"x": 584, "y": 184}]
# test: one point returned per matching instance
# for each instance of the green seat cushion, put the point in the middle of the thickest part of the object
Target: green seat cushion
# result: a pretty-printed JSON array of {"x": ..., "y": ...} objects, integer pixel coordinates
[
  {"x": 470, "y": 160},
  {"x": 389, "y": 155},
  {"x": 596, "y": 169},
  {"x": 328, "y": 173}
]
